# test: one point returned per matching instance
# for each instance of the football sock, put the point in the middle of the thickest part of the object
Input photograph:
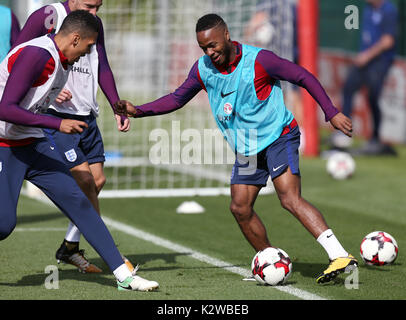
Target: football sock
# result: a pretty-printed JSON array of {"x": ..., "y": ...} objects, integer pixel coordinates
[
  {"x": 122, "y": 272},
  {"x": 73, "y": 233},
  {"x": 332, "y": 246}
]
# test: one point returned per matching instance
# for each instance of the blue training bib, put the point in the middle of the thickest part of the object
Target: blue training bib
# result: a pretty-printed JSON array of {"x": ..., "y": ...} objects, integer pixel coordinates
[
  {"x": 248, "y": 124},
  {"x": 5, "y": 31}
]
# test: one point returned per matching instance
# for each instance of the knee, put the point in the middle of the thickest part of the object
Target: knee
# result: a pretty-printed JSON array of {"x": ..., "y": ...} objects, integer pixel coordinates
[
  {"x": 87, "y": 183},
  {"x": 100, "y": 182},
  {"x": 290, "y": 202},
  {"x": 241, "y": 212},
  {"x": 6, "y": 228}
]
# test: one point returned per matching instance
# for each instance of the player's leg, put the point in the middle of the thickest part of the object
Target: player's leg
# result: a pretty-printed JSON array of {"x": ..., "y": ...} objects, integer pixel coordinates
[
  {"x": 242, "y": 207},
  {"x": 377, "y": 72},
  {"x": 352, "y": 84},
  {"x": 248, "y": 176},
  {"x": 93, "y": 148},
  {"x": 87, "y": 169},
  {"x": 12, "y": 171},
  {"x": 97, "y": 170},
  {"x": 287, "y": 183},
  {"x": 287, "y": 186},
  {"x": 70, "y": 148},
  {"x": 69, "y": 251},
  {"x": 288, "y": 189},
  {"x": 83, "y": 175},
  {"x": 55, "y": 180}
]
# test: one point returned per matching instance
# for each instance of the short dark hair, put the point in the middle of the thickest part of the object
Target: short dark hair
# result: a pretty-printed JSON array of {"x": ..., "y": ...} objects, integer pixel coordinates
[
  {"x": 209, "y": 21},
  {"x": 82, "y": 22}
]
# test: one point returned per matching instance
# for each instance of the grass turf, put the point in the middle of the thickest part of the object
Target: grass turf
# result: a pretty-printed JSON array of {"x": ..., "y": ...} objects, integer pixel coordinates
[{"x": 371, "y": 200}]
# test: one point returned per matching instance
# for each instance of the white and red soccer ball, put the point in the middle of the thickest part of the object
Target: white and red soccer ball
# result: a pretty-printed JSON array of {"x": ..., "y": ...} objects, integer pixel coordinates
[
  {"x": 271, "y": 266},
  {"x": 379, "y": 248},
  {"x": 340, "y": 165}
]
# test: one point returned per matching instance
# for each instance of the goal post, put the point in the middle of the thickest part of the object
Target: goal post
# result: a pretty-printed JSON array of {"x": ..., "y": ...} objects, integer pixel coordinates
[{"x": 308, "y": 17}]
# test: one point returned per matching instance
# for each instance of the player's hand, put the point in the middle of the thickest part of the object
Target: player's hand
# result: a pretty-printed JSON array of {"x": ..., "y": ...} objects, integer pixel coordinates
[
  {"x": 72, "y": 126},
  {"x": 342, "y": 123},
  {"x": 123, "y": 123},
  {"x": 64, "y": 96},
  {"x": 125, "y": 108},
  {"x": 362, "y": 59}
]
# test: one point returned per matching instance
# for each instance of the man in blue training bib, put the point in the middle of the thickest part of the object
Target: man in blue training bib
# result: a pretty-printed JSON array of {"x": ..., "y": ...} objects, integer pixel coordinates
[
  {"x": 9, "y": 30},
  {"x": 243, "y": 86}
]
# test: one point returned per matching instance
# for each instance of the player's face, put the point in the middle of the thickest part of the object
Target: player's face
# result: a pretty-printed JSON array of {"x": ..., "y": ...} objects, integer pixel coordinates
[
  {"x": 216, "y": 43},
  {"x": 91, "y": 6},
  {"x": 80, "y": 47}
]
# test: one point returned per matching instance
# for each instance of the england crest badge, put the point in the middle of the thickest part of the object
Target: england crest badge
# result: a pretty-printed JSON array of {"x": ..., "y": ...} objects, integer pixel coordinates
[{"x": 71, "y": 155}]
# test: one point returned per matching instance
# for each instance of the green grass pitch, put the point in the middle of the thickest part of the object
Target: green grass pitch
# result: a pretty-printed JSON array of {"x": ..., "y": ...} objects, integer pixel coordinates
[{"x": 373, "y": 199}]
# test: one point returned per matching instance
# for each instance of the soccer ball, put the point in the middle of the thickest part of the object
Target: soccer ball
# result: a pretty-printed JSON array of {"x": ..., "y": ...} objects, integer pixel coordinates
[
  {"x": 264, "y": 33},
  {"x": 340, "y": 165},
  {"x": 378, "y": 248},
  {"x": 271, "y": 266}
]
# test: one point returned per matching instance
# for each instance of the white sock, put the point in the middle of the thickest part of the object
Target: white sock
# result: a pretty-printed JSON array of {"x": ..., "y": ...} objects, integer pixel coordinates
[
  {"x": 122, "y": 272},
  {"x": 332, "y": 246},
  {"x": 73, "y": 233}
]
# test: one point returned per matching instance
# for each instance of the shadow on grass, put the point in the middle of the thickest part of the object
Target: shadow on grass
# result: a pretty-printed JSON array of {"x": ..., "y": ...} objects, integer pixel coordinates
[
  {"x": 22, "y": 219},
  {"x": 170, "y": 262},
  {"x": 38, "y": 279},
  {"x": 68, "y": 272}
]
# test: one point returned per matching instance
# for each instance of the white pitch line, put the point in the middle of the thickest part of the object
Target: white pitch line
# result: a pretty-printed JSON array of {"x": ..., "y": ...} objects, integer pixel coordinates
[
  {"x": 302, "y": 294},
  {"x": 38, "y": 229}
]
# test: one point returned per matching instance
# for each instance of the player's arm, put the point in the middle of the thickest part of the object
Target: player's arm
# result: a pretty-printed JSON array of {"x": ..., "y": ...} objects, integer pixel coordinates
[
  {"x": 25, "y": 71},
  {"x": 35, "y": 26},
  {"x": 169, "y": 103},
  {"x": 385, "y": 43},
  {"x": 106, "y": 80},
  {"x": 15, "y": 29},
  {"x": 282, "y": 69}
]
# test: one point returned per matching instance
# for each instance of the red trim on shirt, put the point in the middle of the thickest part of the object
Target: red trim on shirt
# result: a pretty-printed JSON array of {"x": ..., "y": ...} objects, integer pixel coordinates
[
  {"x": 12, "y": 59},
  {"x": 48, "y": 70},
  {"x": 200, "y": 80},
  {"x": 289, "y": 127},
  {"x": 43, "y": 78},
  {"x": 64, "y": 60},
  {"x": 263, "y": 82},
  {"x": 16, "y": 143}
]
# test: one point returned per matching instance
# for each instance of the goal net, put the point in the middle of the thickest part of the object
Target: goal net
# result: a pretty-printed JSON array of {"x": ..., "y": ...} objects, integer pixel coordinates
[{"x": 151, "y": 46}]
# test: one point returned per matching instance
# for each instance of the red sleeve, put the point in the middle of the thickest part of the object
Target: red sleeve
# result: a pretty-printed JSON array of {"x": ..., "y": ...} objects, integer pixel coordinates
[{"x": 48, "y": 69}]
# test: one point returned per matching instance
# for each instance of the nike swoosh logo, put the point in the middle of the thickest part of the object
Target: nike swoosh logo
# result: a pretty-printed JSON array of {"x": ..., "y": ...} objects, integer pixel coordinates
[
  {"x": 126, "y": 288},
  {"x": 277, "y": 168},
  {"x": 329, "y": 235},
  {"x": 223, "y": 95},
  {"x": 123, "y": 287}
]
